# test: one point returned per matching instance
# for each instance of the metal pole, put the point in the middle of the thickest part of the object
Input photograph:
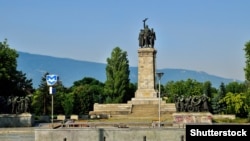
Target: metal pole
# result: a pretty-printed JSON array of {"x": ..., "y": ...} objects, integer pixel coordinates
[
  {"x": 144, "y": 138},
  {"x": 159, "y": 124},
  {"x": 160, "y": 74},
  {"x": 52, "y": 107}
]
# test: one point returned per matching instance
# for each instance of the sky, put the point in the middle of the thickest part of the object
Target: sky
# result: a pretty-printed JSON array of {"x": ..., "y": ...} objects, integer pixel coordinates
[{"x": 200, "y": 35}]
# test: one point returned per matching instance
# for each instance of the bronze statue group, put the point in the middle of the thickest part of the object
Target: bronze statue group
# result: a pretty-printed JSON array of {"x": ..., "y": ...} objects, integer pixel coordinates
[
  {"x": 147, "y": 36},
  {"x": 15, "y": 104},
  {"x": 191, "y": 103}
]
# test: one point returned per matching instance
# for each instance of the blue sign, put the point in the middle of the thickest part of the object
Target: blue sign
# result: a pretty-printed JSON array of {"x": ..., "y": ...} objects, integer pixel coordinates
[
  {"x": 52, "y": 90},
  {"x": 51, "y": 79}
]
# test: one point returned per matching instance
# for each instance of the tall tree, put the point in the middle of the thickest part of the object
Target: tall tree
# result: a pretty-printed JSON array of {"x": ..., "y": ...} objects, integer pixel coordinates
[
  {"x": 117, "y": 73},
  {"x": 208, "y": 90},
  {"x": 247, "y": 73},
  {"x": 41, "y": 98},
  {"x": 247, "y": 55},
  {"x": 12, "y": 81},
  {"x": 219, "y": 107}
]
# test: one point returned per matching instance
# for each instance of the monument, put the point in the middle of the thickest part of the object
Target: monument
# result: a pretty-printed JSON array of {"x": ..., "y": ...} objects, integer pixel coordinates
[
  {"x": 146, "y": 90},
  {"x": 15, "y": 111},
  {"x": 146, "y": 101},
  {"x": 192, "y": 109}
]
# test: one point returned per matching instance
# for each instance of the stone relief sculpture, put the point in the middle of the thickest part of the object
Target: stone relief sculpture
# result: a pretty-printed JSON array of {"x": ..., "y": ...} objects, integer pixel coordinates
[
  {"x": 15, "y": 104},
  {"x": 191, "y": 103},
  {"x": 147, "y": 36}
]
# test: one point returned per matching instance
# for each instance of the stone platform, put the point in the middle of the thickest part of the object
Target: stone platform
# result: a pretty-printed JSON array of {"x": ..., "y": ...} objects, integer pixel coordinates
[
  {"x": 133, "y": 109},
  {"x": 136, "y": 101},
  {"x": 16, "y": 120},
  {"x": 183, "y": 118}
]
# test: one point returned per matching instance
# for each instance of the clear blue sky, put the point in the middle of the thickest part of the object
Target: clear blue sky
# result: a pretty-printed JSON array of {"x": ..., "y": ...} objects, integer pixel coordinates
[{"x": 201, "y": 35}]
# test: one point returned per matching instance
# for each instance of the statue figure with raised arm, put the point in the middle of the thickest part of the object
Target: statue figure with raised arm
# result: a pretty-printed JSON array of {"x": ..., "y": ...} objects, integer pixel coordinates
[{"x": 147, "y": 36}]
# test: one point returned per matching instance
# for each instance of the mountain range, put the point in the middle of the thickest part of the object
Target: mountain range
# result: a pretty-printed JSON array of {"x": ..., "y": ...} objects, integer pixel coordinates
[{"x": 70, "y": 70}]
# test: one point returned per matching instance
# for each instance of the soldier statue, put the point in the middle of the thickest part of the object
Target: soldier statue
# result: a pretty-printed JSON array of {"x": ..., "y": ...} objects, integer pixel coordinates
[{"x": 147, "y": 36}]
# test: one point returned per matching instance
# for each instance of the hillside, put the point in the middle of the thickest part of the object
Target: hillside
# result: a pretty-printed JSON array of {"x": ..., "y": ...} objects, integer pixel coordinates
[{"x": 70, "y": 70}]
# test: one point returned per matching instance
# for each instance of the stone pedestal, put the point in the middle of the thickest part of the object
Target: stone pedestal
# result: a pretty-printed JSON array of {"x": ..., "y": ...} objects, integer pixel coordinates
[
  {"x": 146, "y": 93},
  {"x": 16, "y": 120},
  {"x": 184, "y": 118},
  {"x": 146, "y": 73}
]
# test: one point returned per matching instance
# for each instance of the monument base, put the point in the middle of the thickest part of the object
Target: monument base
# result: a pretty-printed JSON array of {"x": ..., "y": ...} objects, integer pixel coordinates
[
  {"x": 146, "y": 93},
  {"x": 136, "y": 101},
  {"x": 16, "y": 120},
  {"x": 184, "y": 118}
]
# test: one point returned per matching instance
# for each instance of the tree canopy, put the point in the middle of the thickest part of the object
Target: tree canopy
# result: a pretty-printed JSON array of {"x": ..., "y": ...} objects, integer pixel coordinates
[
  {"x": 12, "y": 81},
  {"x": 117, "y": 73}
]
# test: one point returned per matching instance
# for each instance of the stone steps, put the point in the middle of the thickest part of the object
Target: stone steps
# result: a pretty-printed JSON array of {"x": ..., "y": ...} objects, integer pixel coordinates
[
  {"x": 164, "y": 117},
  {"x": 144, "y": 110}
]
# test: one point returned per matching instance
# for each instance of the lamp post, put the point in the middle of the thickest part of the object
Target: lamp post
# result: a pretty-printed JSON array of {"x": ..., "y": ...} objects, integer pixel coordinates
[{"x": 159, "y": 75}]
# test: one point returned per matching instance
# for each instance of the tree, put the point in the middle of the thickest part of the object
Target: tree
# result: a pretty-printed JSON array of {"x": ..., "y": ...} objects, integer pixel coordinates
[
  {"x": 235, "y": 104},
  {"x": 247, "y": 72},
  {"x": 63, "y": 101},
  {"x": 219, "y": 107},
  {"x": 208, "y": 90},
  {"x": 131, "y": 92},
  {"x": 247, "y": 55},
  {"x": 12, "y": 81},
  {"x": 41, "y": 98},
  {"x": 117, "y": 73},
  {"x": 85, "y": 93},
  {"x": 236, "y": 87},
  {"x": 67, "y": 103},
  {"x": 186, "y": 88}
]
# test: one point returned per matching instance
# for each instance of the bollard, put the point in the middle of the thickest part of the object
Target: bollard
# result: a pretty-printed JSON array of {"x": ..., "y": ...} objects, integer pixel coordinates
[
  {"x": 104, "y": 138},
  {"x": 144, "y": 138},
  {"x": 182, "y": 137},
  {"x": 65, "y": 139}
]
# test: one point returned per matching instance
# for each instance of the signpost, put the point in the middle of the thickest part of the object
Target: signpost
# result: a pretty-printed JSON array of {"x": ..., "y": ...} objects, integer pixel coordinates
[{"x": 51, "y": 80}]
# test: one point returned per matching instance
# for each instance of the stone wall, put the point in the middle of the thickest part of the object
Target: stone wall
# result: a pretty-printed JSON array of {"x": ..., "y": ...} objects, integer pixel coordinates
[
  {"x": 224, "y": 117},
  {"x": 16, "y": 120},
  {"x": 111, "y": 109},
  {"x": 110, "y": 134},
  {"x": 183, "y": 118}
]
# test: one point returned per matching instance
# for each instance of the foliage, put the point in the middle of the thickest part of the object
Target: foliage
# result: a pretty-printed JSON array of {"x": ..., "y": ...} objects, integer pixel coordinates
[
  {"x": 8, "y": 61},
  {"x": 12, "y": 81},
  {"x": 247, "y": 72},
  {"x": 226, "y": 120},
  {"x": 63, "y": 102},
  {"x": 208, "y": 91},
  {"x": 117, "y": 73},
  {"x": 247, "y": 55},
  {"x": 130, "y": 92},
  {"x": 41, "y": 98},
  {"x": 68, "y": 103},
  {"x": 235, "y": 103},
  {"x": 85, "y": 93},
  {"x": 236, "y": 87},
  {"x": 219, "y": 107},
  {"x": 182, "y": 88}
]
